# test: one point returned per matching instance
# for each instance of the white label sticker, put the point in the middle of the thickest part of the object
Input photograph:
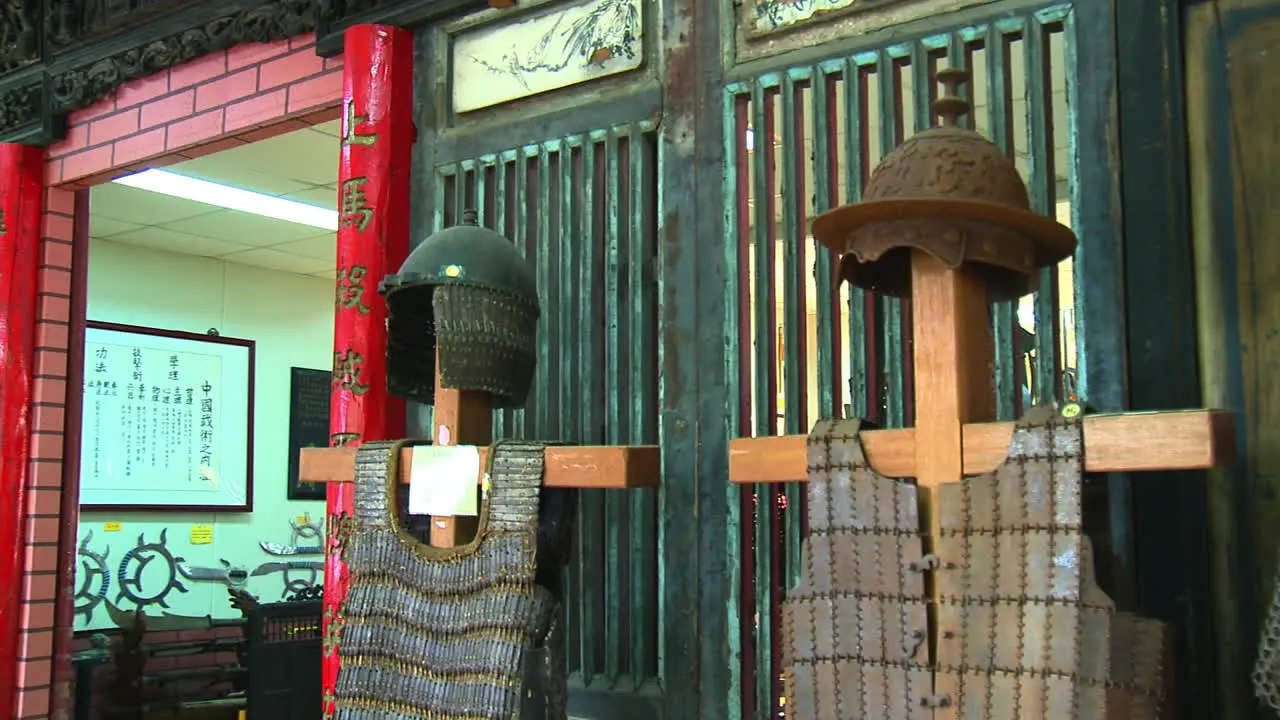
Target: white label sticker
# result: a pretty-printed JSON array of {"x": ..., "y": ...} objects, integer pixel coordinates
[{"x": 444, "y": 480}]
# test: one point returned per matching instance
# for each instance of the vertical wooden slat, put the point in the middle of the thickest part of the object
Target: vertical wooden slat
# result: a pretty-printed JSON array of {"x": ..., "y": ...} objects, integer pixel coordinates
[
  {"x": 740, "y": 519},
  {"x": 541, "y": 218},
  {"x": 479, "y": 192},
  {"x": 641, "y": 311},
  {"x": 460, "y": 192},
  {"x": 826, "y": 166},
  {"x": 520, "y": 236},
  {"x": 794, "y": 321},
  {"x": 501, "y": 199},
  {"x": 495, "y": 172},
  {"x": 765, "y": 389},
  {"x": 864, "y": 395},
  {"x": 1007, "y": 357},
  {"x": 891, "y": 310},
  {"x": 613, "y": 389},
  {"x": 1040, "y": 188},
  {"x": 582, "y": 184},
  {"x": 446, "y": 181}
]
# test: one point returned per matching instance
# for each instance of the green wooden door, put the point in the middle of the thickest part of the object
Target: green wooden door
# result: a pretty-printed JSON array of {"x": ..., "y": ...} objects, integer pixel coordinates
[{"x": 662, "y": 188}]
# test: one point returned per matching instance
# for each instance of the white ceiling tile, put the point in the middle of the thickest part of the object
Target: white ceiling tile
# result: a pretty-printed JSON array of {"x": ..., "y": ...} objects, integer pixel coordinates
[
  {"x": 321, "y": 196},
  {"x": 333, "y": 128},
  {"x": 302, "y": 156},
  {"x": 322, "y": 247},
  {"x": 141, "y": 207},
  {"x": 302, "y": 166},
  {"x": 275, "y": 260},
  {"x": 103, "y": 227},
  {"x": 220, "y": 169},
  {"x": 244, "y": 228},
  {"x": 176, "y": 242}
]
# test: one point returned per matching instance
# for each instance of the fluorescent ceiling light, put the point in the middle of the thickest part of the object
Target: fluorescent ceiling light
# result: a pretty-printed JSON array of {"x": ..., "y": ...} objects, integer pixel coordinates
[{"x": 232, "y": 198}]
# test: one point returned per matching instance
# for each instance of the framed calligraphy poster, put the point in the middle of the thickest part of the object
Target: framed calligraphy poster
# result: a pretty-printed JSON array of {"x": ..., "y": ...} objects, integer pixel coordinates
[
  {"x": 309, "y": 392},
  {"x": 168, "y": 420}
]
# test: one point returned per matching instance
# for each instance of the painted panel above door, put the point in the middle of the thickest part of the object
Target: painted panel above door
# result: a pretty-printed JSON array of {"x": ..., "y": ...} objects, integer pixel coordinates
[
  {"x": 773, "y": 27},
  {"x": 770, "y": 15},
  {"x": 552, "y": 49}
]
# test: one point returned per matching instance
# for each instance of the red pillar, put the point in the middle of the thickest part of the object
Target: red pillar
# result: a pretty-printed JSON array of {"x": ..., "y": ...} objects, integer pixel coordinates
[
  {"x": 373, "y": 240},
  {"x": 21, "y": 198}
]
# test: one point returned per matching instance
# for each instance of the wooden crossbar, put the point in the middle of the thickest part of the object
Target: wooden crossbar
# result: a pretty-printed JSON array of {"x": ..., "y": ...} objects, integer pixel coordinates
[
  {"x": 1129, "y": 442},
  {"x": 581, "y": 466}
]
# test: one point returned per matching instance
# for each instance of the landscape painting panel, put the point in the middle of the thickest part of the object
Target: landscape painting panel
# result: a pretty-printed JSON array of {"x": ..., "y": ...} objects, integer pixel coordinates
[{"x": 569, "y": 45}]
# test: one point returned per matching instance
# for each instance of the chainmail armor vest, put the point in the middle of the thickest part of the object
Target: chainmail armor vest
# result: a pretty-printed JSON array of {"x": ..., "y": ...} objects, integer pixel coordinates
[
  {"x": 1023, "y": 631},
  {"x": 434, "y": 633}
]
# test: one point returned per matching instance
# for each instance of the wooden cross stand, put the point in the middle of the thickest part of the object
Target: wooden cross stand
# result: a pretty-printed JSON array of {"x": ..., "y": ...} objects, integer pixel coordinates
[
  {"x": 954, "y": 435},
  {"x": 465, "y": 418}
]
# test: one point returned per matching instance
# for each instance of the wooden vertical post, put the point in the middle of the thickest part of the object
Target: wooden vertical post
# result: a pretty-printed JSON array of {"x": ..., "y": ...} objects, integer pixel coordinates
[
  {"x": 462, "y": 417},
  {"x": 954, "y": 366},
  {"x": 373, "y": 240},
  {"x": 21, "y": 200}
]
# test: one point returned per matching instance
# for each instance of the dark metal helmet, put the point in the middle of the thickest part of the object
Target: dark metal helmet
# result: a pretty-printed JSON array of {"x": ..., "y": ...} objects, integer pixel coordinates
[{"x": 466, "y": 297}]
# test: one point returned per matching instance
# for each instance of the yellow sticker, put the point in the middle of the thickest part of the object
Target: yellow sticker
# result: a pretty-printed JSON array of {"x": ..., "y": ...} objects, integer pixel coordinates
[
  {"x": 111, "y": 527},
  {"x": 1071, "y": 410},
  {"x": 303, "y": 519},
  {"x": 201, "y": 534},
  {"x": 442, "y": 480}
]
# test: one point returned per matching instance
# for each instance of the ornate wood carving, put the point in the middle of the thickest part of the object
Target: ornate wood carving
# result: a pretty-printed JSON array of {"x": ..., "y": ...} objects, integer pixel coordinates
[{"x": 61, "y": 55}]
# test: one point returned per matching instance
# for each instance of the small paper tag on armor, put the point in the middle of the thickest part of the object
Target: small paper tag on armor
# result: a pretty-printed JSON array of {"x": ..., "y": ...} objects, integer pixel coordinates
[{"x": 442, "y": 480}]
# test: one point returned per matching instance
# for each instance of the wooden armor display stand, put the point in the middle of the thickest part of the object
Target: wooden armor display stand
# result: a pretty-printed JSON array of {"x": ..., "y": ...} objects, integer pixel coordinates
[
  {"x": 466, "y": 418},
  {"x": 953, "y": 349}
]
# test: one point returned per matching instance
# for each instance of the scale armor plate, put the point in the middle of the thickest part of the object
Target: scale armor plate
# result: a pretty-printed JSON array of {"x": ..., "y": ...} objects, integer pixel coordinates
[
  {"x": 853, "y": 629},
  {"x": 1022, "y": 629},
  {"x": 433, "y": 633}
]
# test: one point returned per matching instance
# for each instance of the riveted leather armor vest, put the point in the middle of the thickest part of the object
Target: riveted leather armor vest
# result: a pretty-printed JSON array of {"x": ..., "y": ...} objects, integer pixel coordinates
[
  {"x": 1022, "y": 630},
  {"x": 463, "y": 633}
]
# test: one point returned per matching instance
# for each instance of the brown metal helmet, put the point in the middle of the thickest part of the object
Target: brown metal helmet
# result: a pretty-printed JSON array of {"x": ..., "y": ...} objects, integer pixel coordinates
[
  {"x": 949, "y": 192},
  {"x": 465, "y": 297}
]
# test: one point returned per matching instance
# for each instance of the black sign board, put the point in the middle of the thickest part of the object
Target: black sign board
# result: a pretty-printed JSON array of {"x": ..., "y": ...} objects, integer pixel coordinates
[{"x": 308, "y": 425}]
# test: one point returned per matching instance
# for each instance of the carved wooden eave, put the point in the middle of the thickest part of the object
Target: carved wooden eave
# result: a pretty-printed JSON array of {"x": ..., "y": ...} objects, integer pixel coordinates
[{"x": 57, "y": 56}]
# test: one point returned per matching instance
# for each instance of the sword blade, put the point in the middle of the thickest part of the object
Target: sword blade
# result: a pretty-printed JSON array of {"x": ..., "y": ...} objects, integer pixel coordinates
[
  {"x": 272, "y": 548},
  {"x": 229, "y": 575},
  {"x": 268, "y": 568}
]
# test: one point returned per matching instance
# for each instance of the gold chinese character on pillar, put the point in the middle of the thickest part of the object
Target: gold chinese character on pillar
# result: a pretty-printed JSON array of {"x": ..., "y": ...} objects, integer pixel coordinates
[
  {"x": 347, "y": 366},
  {"x": 350, "y": 288},
  {"x": 354, "y": 209},
  {"x": 352, "y": 136}
]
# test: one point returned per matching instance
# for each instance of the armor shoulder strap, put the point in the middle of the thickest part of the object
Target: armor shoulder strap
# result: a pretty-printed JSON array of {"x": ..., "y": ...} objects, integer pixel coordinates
[
  {"x": 515, "y": 485},
  {"x": 377, "y": 469},
  {"x": 837, "y": 443},
  {"x": 1045, "y": 434}
]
